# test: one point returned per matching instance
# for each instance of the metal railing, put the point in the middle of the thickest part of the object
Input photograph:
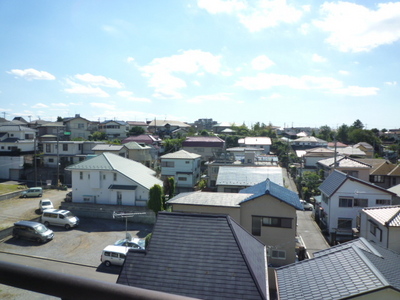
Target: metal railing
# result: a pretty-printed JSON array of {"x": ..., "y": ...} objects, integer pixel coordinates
[{"x": 73, "y": 287}]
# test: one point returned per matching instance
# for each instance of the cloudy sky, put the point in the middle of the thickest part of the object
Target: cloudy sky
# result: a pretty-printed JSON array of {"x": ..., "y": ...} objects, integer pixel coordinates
[{"x": 289, "y": 63}]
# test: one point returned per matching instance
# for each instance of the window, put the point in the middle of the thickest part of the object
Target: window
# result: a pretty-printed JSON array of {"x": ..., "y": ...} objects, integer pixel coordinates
[
  {"x": 104, "y": 176},
  {"x": 182, "y": 179},
  {"x": 167, "y": 164},
  {"x": 214, "y": 170},
  {"x": 361, "y": 202},
  {"x": 277, "y": 222},
  {"x": 80, "y": 175},
  {"x": 48, "y": 148},
  {"x": 88, "y": 176},
  {"x": 278, "y": 254},
  {"x": 81, "y": 125},
  {"x": 80, "y": 147},
  {"x": 51, "y": 160},
  {"x": 65, "y": 147},
  {"x": 382, "y": 202},
  {"x": 345, "y": 202},
  {"x": 375, "y": 230},
  {"x": 378, "y": 178},
  {"x": 187, "y": 162},
  {"x": 345, "y": 223},
  {"x": 115, "y": 176}
]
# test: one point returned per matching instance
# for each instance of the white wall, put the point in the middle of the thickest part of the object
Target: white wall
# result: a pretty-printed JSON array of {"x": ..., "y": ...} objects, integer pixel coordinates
[{"x": 10, "y": 162}]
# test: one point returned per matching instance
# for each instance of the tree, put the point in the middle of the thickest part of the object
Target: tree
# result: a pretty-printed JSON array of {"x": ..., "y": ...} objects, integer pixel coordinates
[
  {"x": 136, "y": 130},
  {"x": 169, "y": 188},
  {"x": 357, "y": 125},
  {"x": 325, "y": 133},
  {"x": 98, "y": 136},
  {"x": 59, "y": 119},
  {"x": 172, "y": 145},
  {"x": 309, "y": 183},
  {"x": 155, "y": 202},
  {"x": 343, "y": 134}
]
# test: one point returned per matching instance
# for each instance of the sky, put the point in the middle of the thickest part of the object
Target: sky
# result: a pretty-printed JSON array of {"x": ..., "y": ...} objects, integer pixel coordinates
[{"x": 286, "y": 63}]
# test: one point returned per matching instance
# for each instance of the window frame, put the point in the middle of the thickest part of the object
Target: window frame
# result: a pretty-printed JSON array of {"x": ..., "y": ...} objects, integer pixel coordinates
[{"x": 349, "y": 200}]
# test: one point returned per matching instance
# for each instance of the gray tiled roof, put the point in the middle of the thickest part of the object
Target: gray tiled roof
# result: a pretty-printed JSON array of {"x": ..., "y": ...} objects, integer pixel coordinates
[
  {"x": 268, "y": 187},
  {"x": 201, "y": 256},
  {"x": 248, "y": 176},
  {"x": 209, "y": 199},
  {"x": 344, "y": 162},
  {"x": 181, "y": 154},
  {"x": 127, "y": 167},
  {"x": 345, "y": 271},
  {"x": 385, "y": 215}
]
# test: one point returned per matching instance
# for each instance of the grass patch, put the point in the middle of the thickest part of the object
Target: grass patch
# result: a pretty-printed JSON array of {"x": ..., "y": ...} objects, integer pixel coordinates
[{"x": 9, "y": 188}]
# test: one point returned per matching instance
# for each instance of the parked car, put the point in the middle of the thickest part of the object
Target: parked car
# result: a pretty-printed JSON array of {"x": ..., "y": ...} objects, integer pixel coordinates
[
  {"x": 32, "y": 192},
  {"x": 32, "y": 231},
  {"x": 45, "y": 204},
  {"x": 134, "y": 243},
  {"x": 113, "y": 255},
  {"x": 307, "y": 205},
  {"x": 59, "y": 217}
]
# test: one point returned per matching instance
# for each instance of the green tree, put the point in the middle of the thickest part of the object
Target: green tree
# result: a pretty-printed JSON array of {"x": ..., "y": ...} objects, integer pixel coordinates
[
  {"x": 155, "y": 202},
  {"x": 343, "y": 134},
  {"x": 357, "y": 125},
  {"x": 172, "y": 145},
  {"x": 59, "y": 119},
  {"x": 204, "y": 133},
  {"x": 98, "y": 136},
  {"x": 325, "y": 133},
  {"x": 135, "y": 130},
  {"x": 202, "y": 184},
  {"x": 169, "y": 188},
  {"x": 309, "y": 182}
]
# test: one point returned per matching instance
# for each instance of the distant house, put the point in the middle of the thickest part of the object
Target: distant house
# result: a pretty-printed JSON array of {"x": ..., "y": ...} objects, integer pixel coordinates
[
  {"x": 206, "y": 146},
  {"x": 219, "y": 127},
  {"x": 314, "y": 155},
  {"x": 382, "y": 226},
  {"x": 201, "y": 256},
  {"x": 142, "y": 125},
  {"x": 114, "y": 129},
  {"x": 204, "y": 124},
  {"x": 112, "y": 179},
  {"x": 358, "y": 269},
  {"x": 233, "y": 179},
  {"x": 51, "y": 131},
  {"x": 78, "y": 127},
  {"x": 166, "y": 127},
  {"x": 386, "y": 174},
  {"x": 184, "y": 167},
  {"x": 139, "y": 153},
  {"x": 308, "y": 142},
  {"x": 256, "y": 142},
  {"x": 366, "y": 148},
  {"x": 343, "y": 197},
  {"x": 346, "y": 165},
  {"x": 148, "y": 140},
  {"x": 267, "y": 210},
  {"x": 120, "y": 150}
]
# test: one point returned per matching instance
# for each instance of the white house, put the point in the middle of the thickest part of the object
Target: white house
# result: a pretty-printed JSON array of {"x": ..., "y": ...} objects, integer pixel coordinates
[
  {"x": 382, "y": 226},
  {"x": 343, "y": 197},
  {"x": 256, "y": 142},
  {"x": 184, "y": 167},
  {"x": 112, "y": 179}
]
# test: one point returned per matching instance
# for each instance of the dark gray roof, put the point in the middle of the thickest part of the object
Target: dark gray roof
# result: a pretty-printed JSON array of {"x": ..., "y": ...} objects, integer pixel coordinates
[
  {"x": 268, "y": 187},
  {"x": 330, "y": 185},
  {"x": 201, "y": 256},
  {"x": 345, "y": 271}
]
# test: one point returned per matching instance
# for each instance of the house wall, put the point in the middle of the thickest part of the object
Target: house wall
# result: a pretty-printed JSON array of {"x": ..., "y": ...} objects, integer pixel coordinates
[
  {"x": 234, "y": 212},
  {"x": 311, "y": 161},
  {"x": 94, "y": 188},
  {"x": 382, "y": 294},
  {"x": 142, "y": 156},
  {"x": 274, "y": 237},
  {"x": 382, "y": 234},
  {"x": 183, "y": 168},
  {"x": 78, "y": 128},
  {"x": 8, "y": 163},
  {"x": 394, "y": 239},
  {"x": 351, "y": 189},
  {"x": 205, "y": 152},
  {"x": 25, "y": 146},
  {"x": 229, "y": 188}
]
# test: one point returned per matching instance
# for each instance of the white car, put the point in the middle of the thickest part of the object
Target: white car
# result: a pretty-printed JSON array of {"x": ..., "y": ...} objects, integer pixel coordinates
[
  {"x": 307, "y": 205},
  {"x": 45, "y": 204},
  {"x": 134, "y": 243}
]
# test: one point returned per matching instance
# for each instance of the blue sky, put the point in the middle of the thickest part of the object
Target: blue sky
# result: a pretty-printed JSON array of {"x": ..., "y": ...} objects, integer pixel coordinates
[{"x": 289, "y": 63}]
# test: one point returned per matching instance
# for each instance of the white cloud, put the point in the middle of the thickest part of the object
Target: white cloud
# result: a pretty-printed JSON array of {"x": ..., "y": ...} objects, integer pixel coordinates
[
  {"x": 76, "y": 88},
  {"x": 40, "y": 105},
  {"x": 129, "y": 96},
  {"x": 343, "y": 72},
  {"x": 318, "y": 58},
  {"x": 32, "y": 74},
  {"x": 391, "y": 83},
  {"x": 98, "y": 80},
  {"x": 102, "y": 105},
  {"x": 256, "y": 15},
  {"x": 261, "y": 62},
  {"x": 60, "y": 104},
  {"x": 130, "y": 59},
  {"x": 160, "y": 71},
  {"x": 355, "y": 28},
  {"x": 357, "y": 91}
]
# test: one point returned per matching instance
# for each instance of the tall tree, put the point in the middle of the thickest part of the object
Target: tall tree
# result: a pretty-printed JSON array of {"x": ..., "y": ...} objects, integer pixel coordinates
[
  {"x": 136, "y": 130},
  {"x": 155, "y": 202},
  {"x": 325, "y": 133},
  {"x": 343, "y": 134},
  {"x": 357, "y": 125}
]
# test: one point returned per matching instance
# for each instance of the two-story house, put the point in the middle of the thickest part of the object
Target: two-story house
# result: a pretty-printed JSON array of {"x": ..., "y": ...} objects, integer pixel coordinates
[
  {"x": 267, "y": 210},
  {"x": 206, "y": 146},
  {"x": 343, "y": 197},
  {"x": 120, "y": 150},
  {"x": 166, "y": 127},
  {"x": 78, "y": 127},
  {"x": 114, "y": 129},
  {"x": 139, "y": 153},
  {"x": 146, "y": 140},
  {"x": 256, "y": 142},
  {"x": 346, "y": 165},
  {"x": 308, "y": 142},
  {"x": 382, "y": 226},
  {"x": 112, "y": 179},
  {"x": 184, "y": 167}
]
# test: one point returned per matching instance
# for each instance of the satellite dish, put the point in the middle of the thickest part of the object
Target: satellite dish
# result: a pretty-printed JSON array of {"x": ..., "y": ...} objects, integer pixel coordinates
[{"x": 128, "y": 236}]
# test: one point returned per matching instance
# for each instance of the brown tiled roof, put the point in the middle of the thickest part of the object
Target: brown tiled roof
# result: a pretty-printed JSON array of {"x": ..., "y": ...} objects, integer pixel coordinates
[{"x": 384, "y": 169}]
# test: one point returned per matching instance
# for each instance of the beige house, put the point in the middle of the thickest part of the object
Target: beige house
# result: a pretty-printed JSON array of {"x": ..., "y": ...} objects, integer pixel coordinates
[
  {"x": 266, "y": 210},
  {"x": 78, "y": 127},
  {"x": 139, "y": 153},
  {"x": 382, "y": 226},
  {"x": 346, "y": 165}
]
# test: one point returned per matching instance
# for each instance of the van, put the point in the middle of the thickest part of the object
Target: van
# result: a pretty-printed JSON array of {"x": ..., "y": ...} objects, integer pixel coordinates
[
  {"x": 32, "y": 231},
  {"x": 114, "y": 255},
  {"x": 59, "y": 217},
  {"x": 32, "y": 192}
]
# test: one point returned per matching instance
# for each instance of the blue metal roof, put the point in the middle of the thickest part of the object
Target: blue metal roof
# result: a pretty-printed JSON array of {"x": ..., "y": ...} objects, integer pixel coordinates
[{"x": 268, "y": 187}]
